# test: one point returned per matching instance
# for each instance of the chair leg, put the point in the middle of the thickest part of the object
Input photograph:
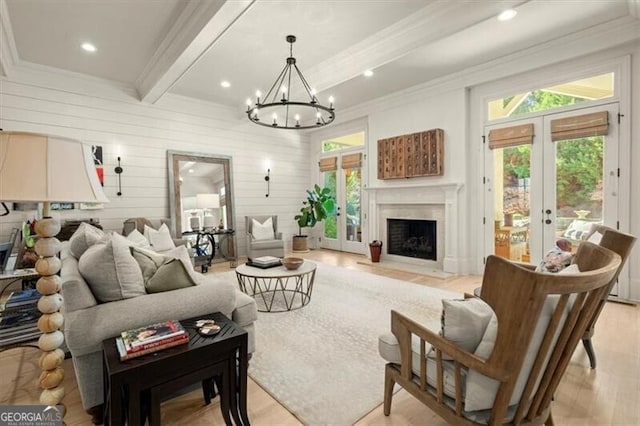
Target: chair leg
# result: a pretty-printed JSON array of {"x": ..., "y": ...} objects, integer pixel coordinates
[
  {"x": 590, "y": 352},
  {"x": 388, "y": 389}
]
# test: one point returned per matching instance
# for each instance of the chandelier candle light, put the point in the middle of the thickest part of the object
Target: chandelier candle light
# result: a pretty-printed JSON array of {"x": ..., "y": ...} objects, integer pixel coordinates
[{"x": 287, "y": 112}]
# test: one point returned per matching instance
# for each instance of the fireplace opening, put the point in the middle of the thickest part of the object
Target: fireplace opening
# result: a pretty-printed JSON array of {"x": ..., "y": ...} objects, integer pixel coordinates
[{"x": 412, "y": 238}]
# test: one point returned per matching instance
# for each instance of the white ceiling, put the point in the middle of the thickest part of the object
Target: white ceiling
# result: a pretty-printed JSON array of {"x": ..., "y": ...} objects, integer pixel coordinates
[{"x": 188, "y": 47}]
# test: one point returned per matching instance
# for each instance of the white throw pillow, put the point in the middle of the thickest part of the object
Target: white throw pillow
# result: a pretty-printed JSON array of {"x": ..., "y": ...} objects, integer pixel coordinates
[
  {"x": 159, "y": 239},
  {"x": 111, "y": 271},
  {"x": 262, "y": 231},
  {"x": 595, "y": 238},
  {"x": 138, "y": 239},
  {"x": 464, "y": 322},
  {"x": 85, "y": 236}
]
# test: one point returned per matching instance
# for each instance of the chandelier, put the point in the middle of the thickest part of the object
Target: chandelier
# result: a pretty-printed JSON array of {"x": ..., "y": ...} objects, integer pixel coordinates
[{"x": 288, "y": 112}]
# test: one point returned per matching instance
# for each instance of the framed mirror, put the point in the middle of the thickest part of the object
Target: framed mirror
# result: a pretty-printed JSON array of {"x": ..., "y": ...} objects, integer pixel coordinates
[{"x": 200, "y": 194}]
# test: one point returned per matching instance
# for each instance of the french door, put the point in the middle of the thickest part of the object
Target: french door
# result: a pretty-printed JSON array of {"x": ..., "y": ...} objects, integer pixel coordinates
[
  {"x": 548, "y": 178},
  {"x": 343, "y": 232}
]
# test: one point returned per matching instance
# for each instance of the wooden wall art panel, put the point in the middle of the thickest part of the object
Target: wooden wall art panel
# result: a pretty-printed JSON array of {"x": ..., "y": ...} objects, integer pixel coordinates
[{"x": 415, "y": 155}]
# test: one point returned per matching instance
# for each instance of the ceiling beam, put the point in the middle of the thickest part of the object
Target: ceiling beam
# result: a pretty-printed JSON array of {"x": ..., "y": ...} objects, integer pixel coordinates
[
  {"x": 196, "y": 30},
  {"x": 8, "y": 52},
  {"x": 433, "y": 22}
]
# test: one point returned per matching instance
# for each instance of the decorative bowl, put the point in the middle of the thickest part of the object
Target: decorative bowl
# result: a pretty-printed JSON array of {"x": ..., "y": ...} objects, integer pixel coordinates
[{"x": 292, "y": 262}]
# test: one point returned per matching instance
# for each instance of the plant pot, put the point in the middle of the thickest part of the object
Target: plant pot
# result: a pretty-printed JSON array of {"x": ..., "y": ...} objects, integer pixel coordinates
[
  {"x": 376, "y": 249},
  {"x": 300, "y": 243}
]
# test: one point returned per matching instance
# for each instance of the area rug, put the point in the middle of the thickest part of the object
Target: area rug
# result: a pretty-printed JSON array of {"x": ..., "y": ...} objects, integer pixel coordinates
[{"x": 321, "y": 361}]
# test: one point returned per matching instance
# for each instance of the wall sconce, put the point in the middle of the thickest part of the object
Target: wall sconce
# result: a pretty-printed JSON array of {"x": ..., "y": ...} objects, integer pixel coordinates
[
  {"x": 268, "y": 180},
  {"x": 118, "y": 171}
]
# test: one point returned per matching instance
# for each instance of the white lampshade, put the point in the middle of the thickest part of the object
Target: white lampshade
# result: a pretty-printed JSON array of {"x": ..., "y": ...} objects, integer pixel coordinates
[
  {"x": 38, "y": 168},
  {"x": 189, "y": 203},
  {"x": 208, "y": 201}
]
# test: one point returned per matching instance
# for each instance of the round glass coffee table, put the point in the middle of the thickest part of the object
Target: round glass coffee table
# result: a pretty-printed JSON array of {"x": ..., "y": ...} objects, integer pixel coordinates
[{"x": 278, "y": 289}]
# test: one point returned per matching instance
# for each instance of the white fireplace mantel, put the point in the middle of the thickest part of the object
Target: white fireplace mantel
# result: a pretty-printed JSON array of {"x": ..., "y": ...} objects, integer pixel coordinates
[{"x": 404, "y": 194}]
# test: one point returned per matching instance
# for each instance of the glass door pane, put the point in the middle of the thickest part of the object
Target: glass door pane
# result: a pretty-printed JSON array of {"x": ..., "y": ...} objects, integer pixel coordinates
[
  {"x": 579, "y": 187},
  {"x": 330, "y": 223},
  {"x": 343, "y": 232},
  {"x": 353, "y": 211},
  {"x": 511, "y": 200}
]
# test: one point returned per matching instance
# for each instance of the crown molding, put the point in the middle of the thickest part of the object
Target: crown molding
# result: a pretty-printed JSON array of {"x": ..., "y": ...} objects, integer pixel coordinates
[
  {"x": 8, "y": 52},
  {"x": 582, "y": 43},
  {"x": 38, "y": 75},
  {"x": 196, "y": 30}
]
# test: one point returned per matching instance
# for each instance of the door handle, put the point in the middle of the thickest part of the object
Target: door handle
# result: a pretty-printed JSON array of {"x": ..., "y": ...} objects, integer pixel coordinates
[{"x": 548, "y": 219}]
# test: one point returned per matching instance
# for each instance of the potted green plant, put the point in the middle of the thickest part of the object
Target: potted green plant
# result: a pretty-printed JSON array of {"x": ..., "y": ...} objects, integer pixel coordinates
[{"x": 319, "y": 205}]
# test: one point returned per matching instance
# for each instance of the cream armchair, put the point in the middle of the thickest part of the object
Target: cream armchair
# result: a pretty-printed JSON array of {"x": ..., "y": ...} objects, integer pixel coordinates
[{"x": 265, "y": 240}]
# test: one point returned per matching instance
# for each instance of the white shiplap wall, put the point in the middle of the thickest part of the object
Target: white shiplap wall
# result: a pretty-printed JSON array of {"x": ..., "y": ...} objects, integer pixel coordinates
[{"x": 106, "y": 115}]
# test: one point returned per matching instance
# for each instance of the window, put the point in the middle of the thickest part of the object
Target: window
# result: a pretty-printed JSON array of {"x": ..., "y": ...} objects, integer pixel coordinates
[
  {"x": 342, "y": 142},
  {"x": 574, "y": 92}
]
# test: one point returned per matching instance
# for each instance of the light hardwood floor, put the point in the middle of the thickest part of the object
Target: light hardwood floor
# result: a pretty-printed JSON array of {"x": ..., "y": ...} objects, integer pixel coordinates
[{"x": 608, "y": 395}]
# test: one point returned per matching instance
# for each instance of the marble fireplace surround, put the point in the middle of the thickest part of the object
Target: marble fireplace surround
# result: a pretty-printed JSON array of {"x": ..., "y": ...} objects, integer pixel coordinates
[{"x": 435, "y": 202}]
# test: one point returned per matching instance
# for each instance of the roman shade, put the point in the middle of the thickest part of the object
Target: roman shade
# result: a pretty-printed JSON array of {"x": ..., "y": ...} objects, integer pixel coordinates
[
  {"x": 580, "y": 126},
  {"x": 352, "y": 161},
  {"x": 511, "y": 136},
  {"x": 328, "y": 164}
]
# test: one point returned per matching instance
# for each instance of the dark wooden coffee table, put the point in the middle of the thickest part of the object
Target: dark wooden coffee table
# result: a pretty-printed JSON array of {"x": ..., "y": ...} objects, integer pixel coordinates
[{"x": 155, "y": 376}]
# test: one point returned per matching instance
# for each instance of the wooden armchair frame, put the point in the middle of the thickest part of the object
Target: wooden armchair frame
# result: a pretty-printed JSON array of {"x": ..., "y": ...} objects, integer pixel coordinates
[
  {"x": 621, "y": 244},
  {"x": 508, "y": 288}
]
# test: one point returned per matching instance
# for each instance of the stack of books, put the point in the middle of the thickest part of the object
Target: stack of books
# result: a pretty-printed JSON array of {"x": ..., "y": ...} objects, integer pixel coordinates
[
  {"x": 19, "y": 318},
  {"x": 264, "y": 262},
  {"x": 150, "y": 339}
]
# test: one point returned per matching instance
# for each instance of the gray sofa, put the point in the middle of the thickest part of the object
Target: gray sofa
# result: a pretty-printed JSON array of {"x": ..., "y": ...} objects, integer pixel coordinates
[{"x": 88, "y": 323}]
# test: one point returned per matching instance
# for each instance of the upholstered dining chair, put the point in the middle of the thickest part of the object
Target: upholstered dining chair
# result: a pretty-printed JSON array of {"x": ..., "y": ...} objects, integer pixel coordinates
[
  {"x": 537, "y": 321},
  {"x": 263, "y": 237},
  {"x": 622, "y": 244}
]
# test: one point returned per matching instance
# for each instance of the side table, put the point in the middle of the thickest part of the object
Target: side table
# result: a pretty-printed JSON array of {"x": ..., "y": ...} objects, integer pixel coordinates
[{"x": 223, "y": 357}]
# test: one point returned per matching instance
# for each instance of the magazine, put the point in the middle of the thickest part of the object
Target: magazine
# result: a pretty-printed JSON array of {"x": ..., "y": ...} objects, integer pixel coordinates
[
  {"x": 155, "y": 344},
  {"x": 152, "y": 333},
  {"x": 124, "y": 355},
  {"x": 22, "y": 298}
]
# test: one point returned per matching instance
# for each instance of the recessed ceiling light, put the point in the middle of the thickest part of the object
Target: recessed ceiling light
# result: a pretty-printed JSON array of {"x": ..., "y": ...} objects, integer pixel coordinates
[
  {"x": 88, "y": 47},
  {"x": 190, "y": 170},
  {"x": 225, "y": 84},
  {"x": 367, "y": 73},
  {"x": 506, "y": 15}
]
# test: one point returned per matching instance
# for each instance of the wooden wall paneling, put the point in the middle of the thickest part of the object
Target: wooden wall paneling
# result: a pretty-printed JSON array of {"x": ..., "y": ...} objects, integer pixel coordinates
[
  {"x": 382, "y": 158},
  {"x": 432, "y": 152},
  {"x": 398, "y": 157},
  {"x": 412, "y": 150},
  {"x": 413, "y": 155},
  {"x": 393, "y": 158},
  {"x": 141, "y": 134}
]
